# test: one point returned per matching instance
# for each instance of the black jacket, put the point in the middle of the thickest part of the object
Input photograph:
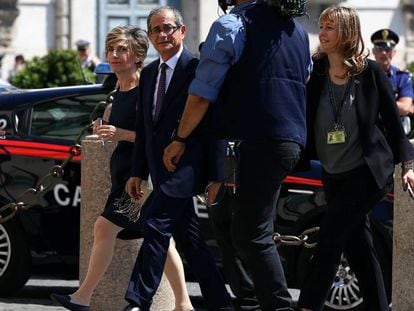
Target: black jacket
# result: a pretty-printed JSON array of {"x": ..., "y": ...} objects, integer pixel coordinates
[
  {"x": 382, "y": 137},
  {"x": 203, "y": 158}
]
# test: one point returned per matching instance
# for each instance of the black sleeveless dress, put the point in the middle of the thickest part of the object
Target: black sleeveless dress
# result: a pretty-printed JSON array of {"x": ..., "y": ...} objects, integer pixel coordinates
[{"x": 123, "y": 114}]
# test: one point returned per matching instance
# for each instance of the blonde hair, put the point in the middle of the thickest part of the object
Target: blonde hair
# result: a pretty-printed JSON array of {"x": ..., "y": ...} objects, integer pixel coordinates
[
  {"x": 136, "y": 38},
  {"x": 350, "y": 42}
]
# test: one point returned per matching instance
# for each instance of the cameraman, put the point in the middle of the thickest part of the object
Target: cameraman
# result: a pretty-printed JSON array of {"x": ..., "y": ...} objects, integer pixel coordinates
[{"x": 253, "y": 68}]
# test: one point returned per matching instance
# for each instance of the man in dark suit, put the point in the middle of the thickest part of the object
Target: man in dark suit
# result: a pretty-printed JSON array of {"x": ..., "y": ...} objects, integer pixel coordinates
[{"x": 171, "y": 210}]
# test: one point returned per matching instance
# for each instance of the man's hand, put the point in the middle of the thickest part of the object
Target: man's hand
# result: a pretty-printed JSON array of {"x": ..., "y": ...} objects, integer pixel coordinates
[
  {"x": 213, "y": 189},
  {"x": 172, "y": 155},
  {"x": 194, "y": 110},
  {"x": 134, "y": 188}
]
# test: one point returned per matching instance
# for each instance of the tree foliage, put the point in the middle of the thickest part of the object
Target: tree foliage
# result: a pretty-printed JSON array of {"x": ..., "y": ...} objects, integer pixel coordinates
[
  {"x": 57, "y": 68},
  {"x": 410, "y": 67}
]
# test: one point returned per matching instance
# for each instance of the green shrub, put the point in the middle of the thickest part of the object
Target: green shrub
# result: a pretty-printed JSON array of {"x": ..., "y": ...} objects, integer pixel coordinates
[
  {"x": 410, "y": 67},
  {"x": 57, "y": 68}
]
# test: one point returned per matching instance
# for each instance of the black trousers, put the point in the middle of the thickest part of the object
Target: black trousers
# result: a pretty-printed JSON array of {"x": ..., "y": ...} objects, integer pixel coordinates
[
  {"x": 234, "y": 269},
  {"x": 262, "y": 167},
  {"x": 165, "y": 217},
  {"x": 345, "y": 228}
]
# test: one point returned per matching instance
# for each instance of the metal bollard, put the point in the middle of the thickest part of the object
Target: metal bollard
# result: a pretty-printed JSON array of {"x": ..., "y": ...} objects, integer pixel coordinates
[{"x": 95, "y": 184}]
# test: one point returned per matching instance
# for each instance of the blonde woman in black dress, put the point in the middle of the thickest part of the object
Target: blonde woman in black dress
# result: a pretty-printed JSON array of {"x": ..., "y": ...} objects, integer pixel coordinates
[{"x": 126, "y": 49}]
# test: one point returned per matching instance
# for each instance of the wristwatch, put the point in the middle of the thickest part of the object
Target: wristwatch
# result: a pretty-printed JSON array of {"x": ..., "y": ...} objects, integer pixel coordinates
[{"x": 175, "y": 137}]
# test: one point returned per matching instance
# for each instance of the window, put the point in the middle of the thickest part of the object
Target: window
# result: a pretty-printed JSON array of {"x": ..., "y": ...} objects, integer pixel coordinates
[
  {"x": 127, "y": 12},
  {"x": 63, "y": 119},
  {"x": 118, "y": 1},
  {"x": 148, "y": 2}
]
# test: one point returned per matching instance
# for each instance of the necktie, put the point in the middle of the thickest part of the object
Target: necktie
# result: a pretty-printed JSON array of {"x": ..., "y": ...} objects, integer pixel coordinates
[{"x": 160, "y": 91}]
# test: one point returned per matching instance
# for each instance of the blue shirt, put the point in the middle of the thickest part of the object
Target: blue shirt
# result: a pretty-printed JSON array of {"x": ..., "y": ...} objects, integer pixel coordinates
[
  {"x": 223, "y": 47},
  {"x": 401, "y": 82},
  {"x": 264, "y": 92}
]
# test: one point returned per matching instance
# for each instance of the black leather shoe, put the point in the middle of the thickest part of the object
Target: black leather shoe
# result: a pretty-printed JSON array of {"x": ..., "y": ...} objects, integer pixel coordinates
[{"x": 64, "y": 300}]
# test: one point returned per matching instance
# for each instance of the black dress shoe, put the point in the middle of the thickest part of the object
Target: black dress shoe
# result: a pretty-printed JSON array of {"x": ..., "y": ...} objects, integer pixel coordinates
[{"x": 64, "y": 300}]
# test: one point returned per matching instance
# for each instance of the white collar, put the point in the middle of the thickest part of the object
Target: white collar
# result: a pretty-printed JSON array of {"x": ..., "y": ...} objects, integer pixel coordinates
[{"x": 172, "y": 62}]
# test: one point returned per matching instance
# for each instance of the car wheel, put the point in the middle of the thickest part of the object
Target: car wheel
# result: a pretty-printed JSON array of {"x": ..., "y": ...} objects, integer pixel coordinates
[
  {"x": 344, "y": 293},
  {"x": 15, "y": 258}
]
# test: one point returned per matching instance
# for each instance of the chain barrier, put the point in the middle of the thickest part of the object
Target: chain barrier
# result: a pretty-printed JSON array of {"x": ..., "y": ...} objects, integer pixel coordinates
[
  {"x": 279, "y": 239},
  {"x": 31, "y": 196},
  {"x": 293, "y": 240}
]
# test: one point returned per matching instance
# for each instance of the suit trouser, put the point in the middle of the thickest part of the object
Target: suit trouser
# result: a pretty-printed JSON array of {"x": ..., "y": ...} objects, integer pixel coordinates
[
  {"x": 237, "y": 276},
  {"x": 167, "y": 216},
  {"x": 262, "y": 167},
  {"x": 345, "y": 228}
]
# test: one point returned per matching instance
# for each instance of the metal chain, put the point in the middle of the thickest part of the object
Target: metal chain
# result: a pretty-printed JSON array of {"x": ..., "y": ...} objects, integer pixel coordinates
[
  {"x": 293, "y": 240},
  {"x": 31, "y": 196},
  {"x": 285, "y": 240}
]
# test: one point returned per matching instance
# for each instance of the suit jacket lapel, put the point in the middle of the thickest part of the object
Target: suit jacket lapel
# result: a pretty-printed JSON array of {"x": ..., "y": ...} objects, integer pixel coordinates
[
  {"x": 152, "y": 81},
  {"x": 177, "y": 82}
]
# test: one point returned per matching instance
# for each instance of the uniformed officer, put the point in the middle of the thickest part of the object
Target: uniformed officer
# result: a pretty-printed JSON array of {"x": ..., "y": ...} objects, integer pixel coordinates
[
  {"x": 87, "y": 61},
  {"x": 384, "y": 41}
]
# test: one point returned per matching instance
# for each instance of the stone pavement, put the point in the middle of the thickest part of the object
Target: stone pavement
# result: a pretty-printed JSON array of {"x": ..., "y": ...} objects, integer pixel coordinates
[{"x": 35, "y": 295}]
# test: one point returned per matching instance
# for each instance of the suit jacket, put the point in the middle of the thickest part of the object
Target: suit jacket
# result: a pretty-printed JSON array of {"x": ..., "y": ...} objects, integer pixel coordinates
[
  {"x": 382, "y": 136},
  {"x": 152, "y": 138}
]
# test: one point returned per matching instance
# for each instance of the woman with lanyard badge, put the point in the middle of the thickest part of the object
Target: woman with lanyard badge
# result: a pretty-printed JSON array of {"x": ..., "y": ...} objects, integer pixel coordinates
[{"x": 355, "y": 131}]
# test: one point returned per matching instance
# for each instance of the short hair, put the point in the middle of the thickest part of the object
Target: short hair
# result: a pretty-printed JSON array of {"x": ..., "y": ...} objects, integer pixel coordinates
[
  {"x": 135, "y": 37},
  {"x": 177, "y": 15}
]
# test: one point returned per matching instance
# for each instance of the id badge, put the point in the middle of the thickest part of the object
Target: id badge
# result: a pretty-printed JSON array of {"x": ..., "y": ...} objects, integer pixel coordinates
[{"x": 336, "y": 135}]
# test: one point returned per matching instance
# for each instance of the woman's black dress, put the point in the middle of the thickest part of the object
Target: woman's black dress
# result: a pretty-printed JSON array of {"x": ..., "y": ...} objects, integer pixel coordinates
[{"x": 122, "y": 115}]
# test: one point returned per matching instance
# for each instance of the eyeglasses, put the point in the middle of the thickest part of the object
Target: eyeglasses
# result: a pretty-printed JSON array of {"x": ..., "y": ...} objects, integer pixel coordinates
[
  {"x": 167, "y": 29},
  {"x": 119, "y": 50}
]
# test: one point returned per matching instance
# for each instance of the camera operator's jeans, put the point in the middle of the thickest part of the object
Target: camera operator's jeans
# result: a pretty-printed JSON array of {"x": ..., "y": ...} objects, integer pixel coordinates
[{"x": 263, "y": 164}]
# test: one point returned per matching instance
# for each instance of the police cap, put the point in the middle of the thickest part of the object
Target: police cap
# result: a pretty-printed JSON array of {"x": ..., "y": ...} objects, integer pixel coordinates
[
  {"x": 385, "y": 38},
  {"x": 82, "y": 44}
]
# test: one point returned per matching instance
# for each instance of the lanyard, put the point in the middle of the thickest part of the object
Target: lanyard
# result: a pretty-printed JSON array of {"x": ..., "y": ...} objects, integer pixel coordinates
[{"x": 337, "y": 107}]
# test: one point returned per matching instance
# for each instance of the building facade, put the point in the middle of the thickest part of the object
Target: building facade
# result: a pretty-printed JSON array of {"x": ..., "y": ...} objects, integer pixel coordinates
[{"x": 31, "y": 27}]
